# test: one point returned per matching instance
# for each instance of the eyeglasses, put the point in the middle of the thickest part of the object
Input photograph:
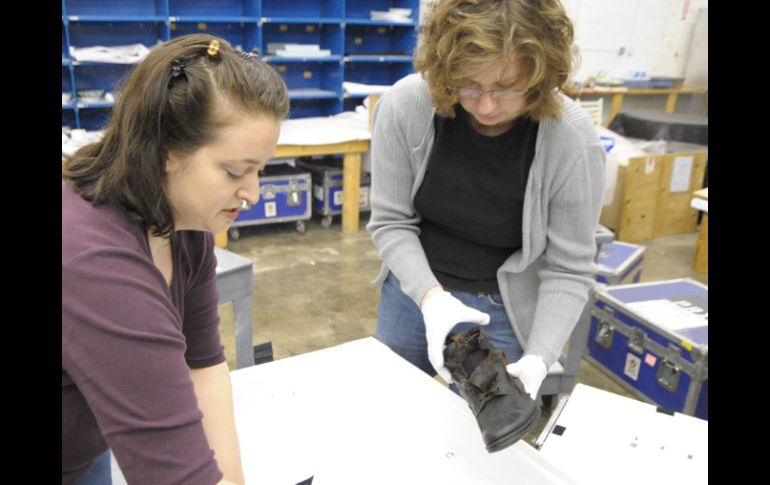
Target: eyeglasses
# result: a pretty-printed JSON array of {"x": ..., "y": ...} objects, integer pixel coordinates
[{"x": 508, "y": 94}]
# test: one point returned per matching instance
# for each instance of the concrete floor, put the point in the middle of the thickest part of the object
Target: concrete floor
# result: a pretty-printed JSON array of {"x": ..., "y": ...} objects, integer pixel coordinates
[{"x": 314, "y": 290}]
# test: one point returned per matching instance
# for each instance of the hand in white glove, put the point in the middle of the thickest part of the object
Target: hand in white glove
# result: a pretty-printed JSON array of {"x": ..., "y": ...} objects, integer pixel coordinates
[
  {"x": 531, "y": 370},
  {"x": 441, "y": 312}
]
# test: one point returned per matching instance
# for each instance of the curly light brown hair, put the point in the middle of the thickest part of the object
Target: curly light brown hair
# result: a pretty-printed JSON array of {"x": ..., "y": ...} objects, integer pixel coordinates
[{"x": 462, "y": 38}]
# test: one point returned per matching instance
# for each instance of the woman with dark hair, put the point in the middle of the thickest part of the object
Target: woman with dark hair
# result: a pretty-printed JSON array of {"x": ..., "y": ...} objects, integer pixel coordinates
[
  {"x": 486, "y": 188},
  {"x": 143, "y": 370}
]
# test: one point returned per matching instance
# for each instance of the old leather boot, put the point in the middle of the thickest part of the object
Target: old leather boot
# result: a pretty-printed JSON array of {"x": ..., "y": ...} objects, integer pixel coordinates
[{"x": 504, "y": 411}]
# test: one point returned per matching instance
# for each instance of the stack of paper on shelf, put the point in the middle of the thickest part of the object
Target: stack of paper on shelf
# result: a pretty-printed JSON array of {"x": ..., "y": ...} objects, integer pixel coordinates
[
  {"x": 392, "y": 15},
  {"x": 296, "y": 50},
  {"x": 358, "y": 88}
]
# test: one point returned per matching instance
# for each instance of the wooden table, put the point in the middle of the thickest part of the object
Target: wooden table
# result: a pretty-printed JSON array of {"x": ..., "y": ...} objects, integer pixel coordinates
[
  {"x": 701, "y": 260},
  {"x": 351, "y": 173},
  {"x": 619, "y": 93}
]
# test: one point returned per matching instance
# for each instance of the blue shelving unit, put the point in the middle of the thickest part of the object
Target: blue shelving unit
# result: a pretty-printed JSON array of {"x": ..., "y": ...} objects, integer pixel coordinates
[{"x": 362, "y": 50}]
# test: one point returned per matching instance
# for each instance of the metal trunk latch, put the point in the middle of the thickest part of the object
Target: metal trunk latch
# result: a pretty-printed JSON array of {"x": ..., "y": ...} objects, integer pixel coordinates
[
  {"x": 636, "y": 340},
  {"x": 294, "y": 198},
  {"x": 268, "y": 192},
  {"x": 604, "y": 334},
  {"x": 668, "y": 375}
]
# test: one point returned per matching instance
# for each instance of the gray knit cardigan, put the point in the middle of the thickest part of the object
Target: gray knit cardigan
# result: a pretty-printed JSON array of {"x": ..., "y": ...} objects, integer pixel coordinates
[{"x": 545, "y": 284}]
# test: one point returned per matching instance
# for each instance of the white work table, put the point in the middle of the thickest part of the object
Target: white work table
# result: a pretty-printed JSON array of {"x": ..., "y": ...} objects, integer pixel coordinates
[
  {"x": 608, "y": 439},
  {"x": 358, "y": 413}
]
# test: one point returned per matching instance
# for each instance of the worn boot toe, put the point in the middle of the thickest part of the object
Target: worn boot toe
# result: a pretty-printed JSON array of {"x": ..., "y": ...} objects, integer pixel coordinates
[{"x": 504, "y": 411}]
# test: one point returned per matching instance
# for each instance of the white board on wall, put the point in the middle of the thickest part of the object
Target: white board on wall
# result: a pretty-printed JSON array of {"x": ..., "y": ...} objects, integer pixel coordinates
[{"x": 615, "y": 37}]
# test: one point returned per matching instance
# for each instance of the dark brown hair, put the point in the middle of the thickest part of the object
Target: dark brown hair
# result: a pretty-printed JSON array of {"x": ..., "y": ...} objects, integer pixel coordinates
[
  {"x": 461, "y": 38},
  {"x": 174, "y": 100}
]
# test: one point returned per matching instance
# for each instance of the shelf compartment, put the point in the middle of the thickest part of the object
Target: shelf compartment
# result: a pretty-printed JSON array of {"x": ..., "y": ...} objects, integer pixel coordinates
[
  {"x": 309, "y": 9},
  {"x": 303, "y": 108},
  {"x": 113, "y": 34},
  {"x": 116, "y": 8},
  {"x": 94, "y": 118},
  {"x": 66, "y": 80},
  {"x": 214, "y": 8},
  {"x": 360, "y": 9},
  {"x": 238, "y": 35},
  {"x": 69, "y": 118},
  {"x": 324, "y": 76},
  {"x": 350, "y": 103},
  {"x": 101, "y": 76},
  {"x": 380, "y": 73},
  {"x": 328, "y": 37},
  {"x": 379, "y": 40}
]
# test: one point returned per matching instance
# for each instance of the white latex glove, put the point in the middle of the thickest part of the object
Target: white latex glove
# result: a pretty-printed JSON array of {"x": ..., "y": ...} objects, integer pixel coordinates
[
  {"x": 441, "y": 312},
  {"x": 531, "y": 371}
]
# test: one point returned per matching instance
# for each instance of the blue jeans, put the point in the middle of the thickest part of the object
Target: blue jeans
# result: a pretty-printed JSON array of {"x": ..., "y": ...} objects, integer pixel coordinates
[
  {"x": 100, "y": 472},
  {"x": 400, "y": 325}
]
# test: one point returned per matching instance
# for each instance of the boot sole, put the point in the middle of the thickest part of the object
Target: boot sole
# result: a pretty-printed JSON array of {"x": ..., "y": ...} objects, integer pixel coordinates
[{"x": 511, "y": 438}]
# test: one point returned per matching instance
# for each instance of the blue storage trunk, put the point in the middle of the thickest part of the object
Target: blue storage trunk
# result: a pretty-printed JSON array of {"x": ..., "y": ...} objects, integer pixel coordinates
[
  {"x": 284, "y": 196},
  {"x": 619, "y": 263},
  {"x": 652, "y": 338},
  {"x": 327, "y": 187}
]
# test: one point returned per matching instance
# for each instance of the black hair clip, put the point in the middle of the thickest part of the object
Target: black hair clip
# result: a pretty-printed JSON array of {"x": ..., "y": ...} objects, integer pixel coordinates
[
  {"x": 249, "y": 55},
  {"x": 177, "y": 68},
  {"x": 177, "y": 71}
]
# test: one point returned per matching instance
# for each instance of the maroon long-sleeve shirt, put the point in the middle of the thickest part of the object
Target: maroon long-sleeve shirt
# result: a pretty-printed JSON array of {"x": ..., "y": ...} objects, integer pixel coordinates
[{"x": 128, "y": 344}]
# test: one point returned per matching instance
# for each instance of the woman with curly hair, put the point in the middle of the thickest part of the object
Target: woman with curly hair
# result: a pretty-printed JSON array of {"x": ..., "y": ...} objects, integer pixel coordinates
[{"x": 487, "y": 188}]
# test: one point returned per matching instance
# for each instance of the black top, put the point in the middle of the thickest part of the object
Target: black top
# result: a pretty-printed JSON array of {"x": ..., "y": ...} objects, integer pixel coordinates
[{"x": 472, "y": 199}]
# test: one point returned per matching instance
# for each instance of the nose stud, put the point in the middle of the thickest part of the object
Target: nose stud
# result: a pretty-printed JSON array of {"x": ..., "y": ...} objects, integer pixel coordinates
[{"x": 245, "y": 205}]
